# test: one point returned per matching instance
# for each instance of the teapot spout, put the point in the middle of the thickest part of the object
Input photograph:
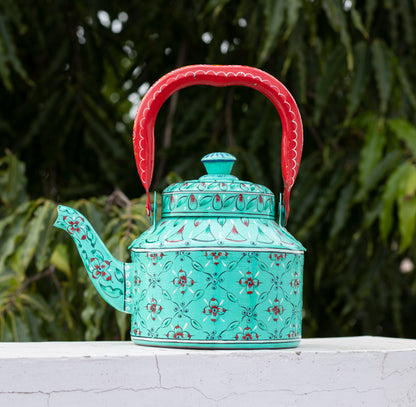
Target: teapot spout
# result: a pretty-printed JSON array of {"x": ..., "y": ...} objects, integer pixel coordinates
[{"x": 111, "y": 277}]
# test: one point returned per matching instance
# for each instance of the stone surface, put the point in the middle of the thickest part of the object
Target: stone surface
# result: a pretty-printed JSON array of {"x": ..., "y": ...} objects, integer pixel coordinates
[{"x": 370, "y": 371}]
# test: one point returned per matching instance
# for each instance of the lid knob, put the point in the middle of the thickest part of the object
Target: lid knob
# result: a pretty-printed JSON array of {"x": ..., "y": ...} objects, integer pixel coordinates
[{"x": 218, "y": 163}]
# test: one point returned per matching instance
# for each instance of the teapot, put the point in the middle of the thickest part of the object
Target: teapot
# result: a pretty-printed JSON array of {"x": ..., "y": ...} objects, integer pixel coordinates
[{"x": 217, "y": 270}]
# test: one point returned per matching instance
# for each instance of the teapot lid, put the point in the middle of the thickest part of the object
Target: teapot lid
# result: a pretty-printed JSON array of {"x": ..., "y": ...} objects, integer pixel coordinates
[{"x": 218, "y": 193}]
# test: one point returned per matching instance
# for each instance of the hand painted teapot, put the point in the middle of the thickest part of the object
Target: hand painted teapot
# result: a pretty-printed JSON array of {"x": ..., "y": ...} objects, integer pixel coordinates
[{"x": 216, "y": 271}]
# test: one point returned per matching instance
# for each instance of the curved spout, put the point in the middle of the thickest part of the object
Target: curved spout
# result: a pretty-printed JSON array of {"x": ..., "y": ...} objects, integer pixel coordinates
[{"x": 111, "y": 277}]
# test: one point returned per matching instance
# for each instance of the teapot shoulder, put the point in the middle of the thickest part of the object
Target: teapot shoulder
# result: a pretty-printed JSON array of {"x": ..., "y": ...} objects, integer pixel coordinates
[{"x": 253, "y": 234}]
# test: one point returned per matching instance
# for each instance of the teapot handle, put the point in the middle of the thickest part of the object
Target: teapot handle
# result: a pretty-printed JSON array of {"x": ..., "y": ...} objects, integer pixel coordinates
[{"x": 218, "y": 75}]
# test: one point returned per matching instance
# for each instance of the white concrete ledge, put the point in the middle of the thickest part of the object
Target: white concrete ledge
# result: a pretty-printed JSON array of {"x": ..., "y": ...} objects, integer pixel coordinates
[{"x": 368, "y": 371}]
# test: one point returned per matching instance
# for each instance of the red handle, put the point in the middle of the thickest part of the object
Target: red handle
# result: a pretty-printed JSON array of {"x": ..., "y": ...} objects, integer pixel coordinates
[{"x": 218, "y": 75}]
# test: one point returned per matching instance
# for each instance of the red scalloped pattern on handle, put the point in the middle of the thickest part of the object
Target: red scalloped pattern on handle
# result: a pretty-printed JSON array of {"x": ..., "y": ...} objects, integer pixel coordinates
[{"x": 218, "y": 75}]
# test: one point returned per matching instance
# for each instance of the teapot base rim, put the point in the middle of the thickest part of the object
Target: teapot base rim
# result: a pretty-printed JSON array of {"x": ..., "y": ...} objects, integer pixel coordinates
[{"x": 217, "y": 344}]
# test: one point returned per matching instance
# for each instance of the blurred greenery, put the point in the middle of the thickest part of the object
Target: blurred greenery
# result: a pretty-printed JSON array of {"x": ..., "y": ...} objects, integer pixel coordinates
[{"x": 71, "y": 76}]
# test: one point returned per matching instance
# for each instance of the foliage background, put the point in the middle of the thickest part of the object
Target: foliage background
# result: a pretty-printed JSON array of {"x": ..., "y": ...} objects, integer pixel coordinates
[{"x": 71, "y": 77}]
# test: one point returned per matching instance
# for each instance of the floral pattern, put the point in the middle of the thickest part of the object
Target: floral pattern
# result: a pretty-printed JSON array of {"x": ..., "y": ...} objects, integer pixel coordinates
[
  {"x": 275, "y": 310},
  {"x": 222, "y": 296},
  {"x": 248, "y": 334},
  {"x": 183, "y": 281},
  {"x": 154, "y": 308},
  {"x": 178, "y": 333},
  {"x": 214, "y": 309},
  {"x": 249, "y": 282}
]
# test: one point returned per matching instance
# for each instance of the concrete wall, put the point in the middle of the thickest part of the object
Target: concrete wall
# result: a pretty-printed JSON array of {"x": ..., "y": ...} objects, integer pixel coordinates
[{"x": 368, "y": 371}]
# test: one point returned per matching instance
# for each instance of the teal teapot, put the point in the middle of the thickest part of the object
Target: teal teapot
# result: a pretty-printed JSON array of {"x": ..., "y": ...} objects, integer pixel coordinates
[{"x": 217, "y": 271}]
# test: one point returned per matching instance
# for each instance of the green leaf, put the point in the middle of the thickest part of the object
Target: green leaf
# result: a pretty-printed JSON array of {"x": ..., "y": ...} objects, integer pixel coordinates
[
  {"x": 386, "y": 166},
  {"x": 407, "y": 207},
  {"x": 229, "y": 201},
  {"x": 406, "y": 84},
  {"x": 198, "y": 294},
  {"x": 358, "y": 23},
  {"x": 27, "y": 249},
  {"x": 251, "y": 203},
  {"x": 22, "y": 329},
  {"x": 390, "y": 195},
  {"x": 167, "y": 265},
  {"x": 274, "y": 13},
  {"x": 38, "y": 304},
  {"x": 15, "y": 232},
  {"x": 61, "y": 260},
  {"x": 336, "y": 19},
  {"x": 382, "y": 65},
  {"x": 196, "y": 324},
  {"x": 262, "y": 297},
  {"x": 407, "y": 14},
  {"x": 205, "y": 200},
  {"x": 371, "y": 153},
  {"x": 233, "y": 325},
  {"x": 341, "y": 215},
  {"x": 333, "y": 70},
  {"x": 165, "y": 322},
  {"x": 197, "y": 266},
  {"x": 370, "y": 7},
  {"x": 328, "y": 195},
  {"x": 12, "y": 181},
  {"x": 43, "y": 249},
  {"x": 262, "y": 325},
  {"x": 293, "y": 7},
  {"x": 4, "y": 69},
  {"x": 360, "y": 77},
  {"x": 8, "y": 52},
  {"x": 166, "y": 294},
  {"x": 405, "y": 132},
  {"x": 407, "y": 220}
]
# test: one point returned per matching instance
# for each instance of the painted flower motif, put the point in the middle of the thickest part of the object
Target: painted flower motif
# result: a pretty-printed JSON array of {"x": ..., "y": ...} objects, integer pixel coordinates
[
  {"x": 136, "y": 330},
  {"x": 183, "y": 281},
  {"x": 276, "y": 258},
  {"x": 155, "y": 257},
  {"x": 154, "y": 308},
  {"x": 178, "y": 333},
  {"x": 295, "y": 283},
  {"x": 214, "y": 309},
  {"x": 293, "y": 333},
  {"x": 249, "y": 283},
  {"x": 275, "y": 310},
  {"x": 75, "y": 225},
  {"x": 216, "y": 256},
  {"x": 99, "y": 267},
  {"x": 247, "y": 335}
]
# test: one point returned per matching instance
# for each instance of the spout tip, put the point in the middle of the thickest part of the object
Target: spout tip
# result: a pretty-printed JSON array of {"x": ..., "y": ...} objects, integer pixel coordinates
[{"x": 59, "y": 220}]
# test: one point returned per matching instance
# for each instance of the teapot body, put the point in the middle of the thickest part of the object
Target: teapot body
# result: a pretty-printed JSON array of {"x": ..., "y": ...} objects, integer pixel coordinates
[
  {"x": 240, "y": 293},
  {"x": 217, "y": 270}
]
